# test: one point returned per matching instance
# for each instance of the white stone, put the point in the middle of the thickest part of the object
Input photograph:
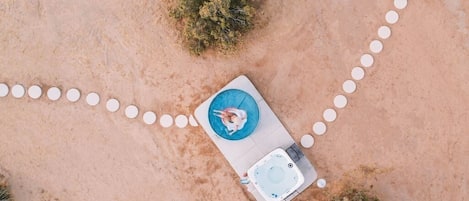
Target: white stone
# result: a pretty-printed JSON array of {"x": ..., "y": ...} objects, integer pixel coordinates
[
  {"x": 307, "y": 141},
  {"x": 4, "y": 90},
  {"x": 181, "y": 121},
  {"x": 35, "y": 92},
  {"x": 149, "y": 117},
  {"x": 73, "y": 95},
  {"x": 384, "y": 32},
  {"x": 376, "y": 46},
  {"x": 321, "y": 183},
  {"x": 366, "y": 60},
  {"x": 349, "y": 86},
  {"x": 392, "y": 17},
  {"x": 329, "y": 115},
  {"x": 192, "y": 121},
  {"x": 358, "y": 73},
  {"x": 340, "y": 101},
  {"x": 92, "y": 99},
  {"x": 112, "y": 105},
  {"x": 400, "y": 4},
  {"x": 17, "y": 91},
  {"x": 54, "y": 93},
  {"x": 166, "y": 121},
  {"x": 319, "y": 128},
  {"x": 131, "y": 111}
]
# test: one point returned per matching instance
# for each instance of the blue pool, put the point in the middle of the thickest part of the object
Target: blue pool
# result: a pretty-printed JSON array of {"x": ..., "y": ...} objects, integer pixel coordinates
[
  {"x": 276, "y": 176},
  {"x": 237, "y": 99}
]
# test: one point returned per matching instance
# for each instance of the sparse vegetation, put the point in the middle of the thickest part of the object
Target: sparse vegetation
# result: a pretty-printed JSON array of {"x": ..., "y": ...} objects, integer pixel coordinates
[
  {"x": 4, "y": 191},
  {"x": 352, "y": 194},
  {"x": 213, "y": 23}
]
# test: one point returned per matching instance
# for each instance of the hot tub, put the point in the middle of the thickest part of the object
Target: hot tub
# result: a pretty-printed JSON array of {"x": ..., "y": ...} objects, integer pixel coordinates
[{"x": 276, "y": 175}]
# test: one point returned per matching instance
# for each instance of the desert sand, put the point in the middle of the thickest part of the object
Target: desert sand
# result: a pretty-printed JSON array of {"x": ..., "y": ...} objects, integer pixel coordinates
[{"x": 404, "y": 131}]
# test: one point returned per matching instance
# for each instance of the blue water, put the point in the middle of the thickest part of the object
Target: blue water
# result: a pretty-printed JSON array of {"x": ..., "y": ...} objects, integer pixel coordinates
[
  {"x": 275, "y": 178},
  {"x": 238, "y": 99}
]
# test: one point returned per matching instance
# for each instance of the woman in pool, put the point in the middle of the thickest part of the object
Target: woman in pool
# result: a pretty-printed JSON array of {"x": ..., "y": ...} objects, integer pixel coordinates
[{"x": 233, "y": 118}]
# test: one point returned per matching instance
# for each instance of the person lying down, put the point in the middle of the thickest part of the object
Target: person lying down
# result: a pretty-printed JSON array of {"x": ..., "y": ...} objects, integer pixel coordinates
[{"x": 233, "y": 119}]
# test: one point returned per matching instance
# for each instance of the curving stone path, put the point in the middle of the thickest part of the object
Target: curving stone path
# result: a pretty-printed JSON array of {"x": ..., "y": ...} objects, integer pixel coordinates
[
  {"x": 149, "y": 117},
  {"x": 112, "y": 105},
  {"x": 192, "y": 121},
  {"x": 35, "y": 92},
  {"x": 166, "y": 121},
  {"x": 181, "y": 121},
  {"x": 73, "y": 95},
  {"x": 54, "y": 93},
  {"x": 307, "y": 141},
  {"x": 17, "y": 91},
  {"x": 367, "y": 60},
  {"x": 340, "y": 101},
  {"x": 92, "y": 99},
  {"x": 4, "y": 90},
  {"x": 319, "y": 128}
]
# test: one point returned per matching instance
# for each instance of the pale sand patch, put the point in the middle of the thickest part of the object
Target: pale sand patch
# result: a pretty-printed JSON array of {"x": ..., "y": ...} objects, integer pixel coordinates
[{"x": 409, "y": 114}]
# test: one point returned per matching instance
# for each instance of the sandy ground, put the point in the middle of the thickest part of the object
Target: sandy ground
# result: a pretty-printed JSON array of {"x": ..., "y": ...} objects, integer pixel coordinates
[{"x": 404, "y": 132}]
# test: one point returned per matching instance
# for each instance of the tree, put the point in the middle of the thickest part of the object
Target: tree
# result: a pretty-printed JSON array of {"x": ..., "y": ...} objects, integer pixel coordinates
[{"x": 213, "y": 23}]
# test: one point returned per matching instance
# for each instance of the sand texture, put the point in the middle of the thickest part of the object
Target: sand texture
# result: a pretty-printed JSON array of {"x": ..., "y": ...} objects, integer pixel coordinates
[{"x": 405, "y": 131}]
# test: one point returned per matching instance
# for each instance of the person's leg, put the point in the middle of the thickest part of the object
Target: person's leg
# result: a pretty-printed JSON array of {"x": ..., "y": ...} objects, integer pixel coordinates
[{"x": 218, "y": 111}]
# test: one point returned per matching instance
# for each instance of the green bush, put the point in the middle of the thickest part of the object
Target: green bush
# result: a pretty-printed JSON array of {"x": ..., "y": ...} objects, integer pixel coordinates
[
  {"x": 352, "y": 194},
  {"x": 213, "y": 23}
]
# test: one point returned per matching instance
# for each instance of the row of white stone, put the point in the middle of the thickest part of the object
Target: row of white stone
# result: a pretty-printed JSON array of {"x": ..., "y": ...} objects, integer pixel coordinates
[
  {"x": 93, "y": 99},
  {"x": 358, "y": 73}
]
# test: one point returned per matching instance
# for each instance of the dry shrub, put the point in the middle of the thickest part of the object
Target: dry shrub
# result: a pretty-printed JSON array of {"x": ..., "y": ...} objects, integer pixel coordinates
[
  {"x": 213, "y": 23},
  {"x": 353, "y": 194},
  {"x": 4, "y": 190}
]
